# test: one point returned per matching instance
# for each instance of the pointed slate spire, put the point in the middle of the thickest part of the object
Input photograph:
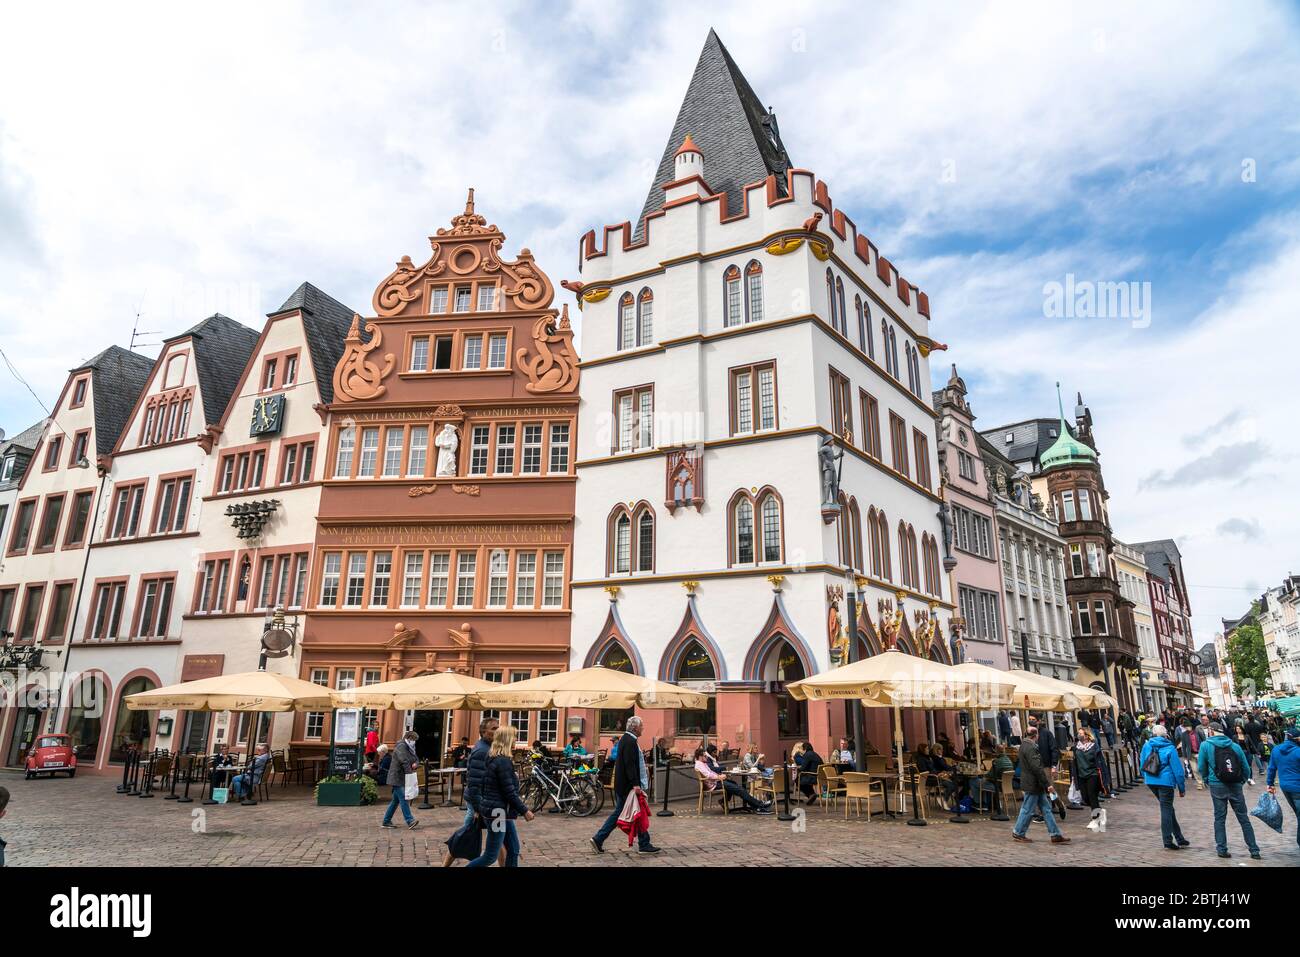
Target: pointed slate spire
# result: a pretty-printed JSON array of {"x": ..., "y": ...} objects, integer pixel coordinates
[{"x": 736, "y": 135}]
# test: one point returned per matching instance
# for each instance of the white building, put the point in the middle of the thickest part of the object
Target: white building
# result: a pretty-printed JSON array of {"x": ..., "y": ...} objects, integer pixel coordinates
[
  {"x": 1280, "y": 622},
  {"x": 266, "y": 460},
  {"x": 59, "y": 500},
  {"x": 742, "y": 321}
]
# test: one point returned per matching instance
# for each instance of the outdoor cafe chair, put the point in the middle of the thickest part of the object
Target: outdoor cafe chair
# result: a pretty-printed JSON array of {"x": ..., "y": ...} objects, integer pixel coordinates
[
  {"x": 830, "y": 785},
  {"x": 774, "y": 786},
  {"x": 877, "y": 763},
  {"x": 706, "y": 793},
  {"x": 1009, "y": 802},
  {"x": 858, "y": 787}
]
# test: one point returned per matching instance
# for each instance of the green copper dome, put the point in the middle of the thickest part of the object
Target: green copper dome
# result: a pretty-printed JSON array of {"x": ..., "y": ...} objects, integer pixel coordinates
[{"x": 1066, "y": 450}]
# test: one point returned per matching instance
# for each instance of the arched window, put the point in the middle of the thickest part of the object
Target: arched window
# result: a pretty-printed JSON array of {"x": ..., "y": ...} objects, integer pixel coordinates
[
  {"x": 695, "y": 666},
  {"x": 645, "y": 541},
  {"x": 626, "y": 322},
  {"x": 615, "y": 658},
  {"x": 131, "y": 727},
  {"x": 893, "y": 352},
  {"x": 830, "y": 298},
  {"x": 882, "y": 523},
  {"x": 862, "y": 325},
  {"x": 873, "y": 533},
  {"x": 645, "y": 318},
  {"x": 754, "y": 291},
  {"x": 843, "y": 530},
  {"x": 884, "y": 344},
  {"x": 855, "y": 527},
  {"x": 783, "y": 666},
  {"x": 622, "y": 543},
  {"x": 909, "y": 573},
  {"x": 86, "y": 718},
  {"x": 770, "y": 511},
  {"x": 869, "y": 346},
  {"x": 839, "y": 307},
  {"x": 911, "y": 373},
  {"x": 744, "y": 525},
  {"x": 732, "y": 298}
]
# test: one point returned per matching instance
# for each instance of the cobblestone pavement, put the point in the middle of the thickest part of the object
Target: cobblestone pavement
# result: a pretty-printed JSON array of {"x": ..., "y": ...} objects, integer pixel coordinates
[{"x": 83, "y": 822}]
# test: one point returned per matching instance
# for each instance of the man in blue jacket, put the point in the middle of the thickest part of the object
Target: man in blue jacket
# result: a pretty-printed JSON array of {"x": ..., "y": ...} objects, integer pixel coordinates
[
  {"x": 1284, "y": 772},
  {"x": 1168, "y": 777},
  {"x": 1222, "y": 765}
]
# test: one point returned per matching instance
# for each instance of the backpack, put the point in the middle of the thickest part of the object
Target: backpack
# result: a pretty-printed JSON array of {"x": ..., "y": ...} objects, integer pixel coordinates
[
  {"x": 1152, "y": 765},
  {"x": 1226, "y": 766}
]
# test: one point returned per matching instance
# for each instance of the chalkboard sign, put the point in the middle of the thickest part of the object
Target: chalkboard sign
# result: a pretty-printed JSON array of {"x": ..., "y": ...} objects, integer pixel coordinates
[{"x": 345, "y": 759}]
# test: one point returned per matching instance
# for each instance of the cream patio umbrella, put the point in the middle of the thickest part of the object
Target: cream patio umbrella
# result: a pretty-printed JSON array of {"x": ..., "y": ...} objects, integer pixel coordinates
[
  {"x": 1084, "y": 697},
  {"x": 247, "y": 691},
  {"x": 896, "y": 680},
  {"x": 587, "y": 688},
  {"x": 1032, "y": 692},
  {"x": 439, "y": 691}
]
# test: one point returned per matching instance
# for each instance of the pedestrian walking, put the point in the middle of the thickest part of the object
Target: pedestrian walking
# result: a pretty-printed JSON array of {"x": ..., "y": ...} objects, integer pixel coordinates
[
  {"x": 629, "y": 776},
  {"x": 1087, "y": 776},
  {"x": 1222, "y": 764},
  {"x": 1034, "y": 784},
  {"x": 475, "y": 766},
  {"x": 1014, "y": 720},
  {"x": 499, "y": 803},
  {"x": 1162, "y": 770},
  {"x": 4, "y": 803},
  {"x": 404, "y": 762},
  {"x": 1283, "y": 773},
  {"x": 1004, "y": 727}
]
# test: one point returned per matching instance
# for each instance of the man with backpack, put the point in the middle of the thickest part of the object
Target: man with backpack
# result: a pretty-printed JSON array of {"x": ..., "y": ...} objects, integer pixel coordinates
[{"x": 1222, "y": 764}]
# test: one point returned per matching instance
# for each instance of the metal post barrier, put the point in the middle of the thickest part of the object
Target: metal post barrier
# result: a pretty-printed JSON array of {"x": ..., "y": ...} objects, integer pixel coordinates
[
  {"x": 424, "y": 804},
  {"x": 175, "y": 772},
  {"x": 147, "y": 792},
  {"x": 189, "y": 775},
  {"x": 135, "y": 776},
  {"x": 668, "y": 765},
  {"x": 916, "y": 820},
  {"x": 785, "y": 814},
  {"x": 210, "y": 773}
]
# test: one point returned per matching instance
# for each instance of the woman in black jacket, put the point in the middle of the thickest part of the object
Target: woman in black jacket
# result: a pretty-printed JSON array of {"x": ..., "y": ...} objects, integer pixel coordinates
[{"x": 499, "y": 802}]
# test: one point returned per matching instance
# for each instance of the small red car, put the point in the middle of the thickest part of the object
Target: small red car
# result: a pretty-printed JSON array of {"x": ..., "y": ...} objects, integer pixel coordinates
[{"x": 51, "y": 754}]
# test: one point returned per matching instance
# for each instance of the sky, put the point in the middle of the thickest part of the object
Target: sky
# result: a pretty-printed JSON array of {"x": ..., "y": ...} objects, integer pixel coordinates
[{"x": 160, "y": 162}]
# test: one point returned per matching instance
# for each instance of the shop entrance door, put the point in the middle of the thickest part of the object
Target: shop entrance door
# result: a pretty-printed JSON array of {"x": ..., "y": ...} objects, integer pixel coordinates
[{"x": 431, "y": 726}]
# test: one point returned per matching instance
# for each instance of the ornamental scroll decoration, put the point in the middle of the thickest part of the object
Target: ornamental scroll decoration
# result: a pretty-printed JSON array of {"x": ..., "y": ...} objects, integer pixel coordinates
[
  {"x": 469, "y": 250},
  {"x": 356, "y": 378},
  {"x": 555, "y": 366}
]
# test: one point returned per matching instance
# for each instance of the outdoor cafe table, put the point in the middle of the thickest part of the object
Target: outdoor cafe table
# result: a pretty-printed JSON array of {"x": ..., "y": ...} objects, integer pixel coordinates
[
  {"x": 451, "y": 785},
  {"x": 317, "y": 761}
]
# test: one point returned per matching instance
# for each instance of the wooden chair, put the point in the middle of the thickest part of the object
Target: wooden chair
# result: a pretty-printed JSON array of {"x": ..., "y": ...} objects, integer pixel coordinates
[
  {"x": 162, "y": 770},
  {"x": 859, "y": 787},
  {"x": 1008, "y": 792},
  {"x": 707, "y": 792},
  {"x": 773, "y": 787},
  {"x": 877, "y": 763},
  {"x": 830, "y": 785}
]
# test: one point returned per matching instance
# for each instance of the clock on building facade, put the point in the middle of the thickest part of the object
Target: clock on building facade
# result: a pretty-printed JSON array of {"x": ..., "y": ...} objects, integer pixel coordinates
[{"x": 268, "y": 415}]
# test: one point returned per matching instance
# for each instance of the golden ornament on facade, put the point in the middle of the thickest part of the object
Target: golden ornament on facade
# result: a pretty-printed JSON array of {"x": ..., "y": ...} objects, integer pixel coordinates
[
  {"x": 596, "y": 295},
  {"x": 690, "y": 586},
  {"x": 356, "y": 378},
  {"x": 819, "y": 249},
  {"x": 612, "y": 591},
  {"x": 776, "y": 581},
  {"x": 782, "y": 246}
]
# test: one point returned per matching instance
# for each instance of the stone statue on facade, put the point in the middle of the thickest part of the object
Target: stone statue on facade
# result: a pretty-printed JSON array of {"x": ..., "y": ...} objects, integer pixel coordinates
[
  {"x": 447, "y": 442},
  {"x": 828, "y": 457}
]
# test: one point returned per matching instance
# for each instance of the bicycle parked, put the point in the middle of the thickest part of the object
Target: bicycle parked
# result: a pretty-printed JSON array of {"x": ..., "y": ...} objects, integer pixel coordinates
[{"x": 575, "y": 790}]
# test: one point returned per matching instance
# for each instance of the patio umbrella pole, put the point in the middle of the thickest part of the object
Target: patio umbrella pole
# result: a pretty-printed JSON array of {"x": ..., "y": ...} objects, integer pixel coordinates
[
  {"x": 251, "y": 801},
  {"x": 189, "y": 775},
  {"x": 915, "y": 820}
]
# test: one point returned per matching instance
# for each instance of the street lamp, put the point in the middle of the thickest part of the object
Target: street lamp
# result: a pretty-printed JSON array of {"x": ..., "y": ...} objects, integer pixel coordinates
[{"x": 1024, "y": 644}]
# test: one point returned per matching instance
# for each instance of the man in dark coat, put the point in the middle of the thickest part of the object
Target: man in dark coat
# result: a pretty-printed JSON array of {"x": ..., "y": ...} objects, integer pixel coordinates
[
  {"x": 629, "y": 775},
  {"x": 404, "y": 762},
  {"x": 1034, "y": 782},
  {"x": 1004, "y": 727},
  {"x": 1049, "y": 750}
]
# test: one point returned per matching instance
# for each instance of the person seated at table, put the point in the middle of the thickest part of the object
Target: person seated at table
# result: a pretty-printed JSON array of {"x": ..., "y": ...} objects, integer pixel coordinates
[
  {"x": 752, "y": 760},
  {"x": 921, "y": 758},
  {"x": 709, "y": 769},
  {"x": 843, "y": 758},
  {"x": 575, "y": 749},
  {"x": 378, "y": 768},
  {"x": 460, "y": 754},
  {"x": 987, "y": 742},
  {"x": 946, "y": 748},
  {"x": 992, "y": 780},
  {"x": 807, "y": 761},
  {"x": 221, "y": 759},
  {"x": 244, "y": 783}
]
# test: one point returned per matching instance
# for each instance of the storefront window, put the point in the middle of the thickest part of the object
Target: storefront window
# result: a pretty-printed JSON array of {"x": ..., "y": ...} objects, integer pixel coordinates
[
  {"x": 131, "y": 728},
  {"x": 783, "y": 667},
  {"x": 86, "y": 718},
  {"x": 696, "y": 671},
  {"x": 614, "y": 720}
]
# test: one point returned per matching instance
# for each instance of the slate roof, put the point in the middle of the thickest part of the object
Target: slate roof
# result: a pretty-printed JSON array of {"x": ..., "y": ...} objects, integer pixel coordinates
[
  {"x": 1030, "y": 439},
  {"x": 118, "y": 376},
  {"x": 325, "y": 323},
  {"x": 737, "y": 136},
  {"x": 1160, "y": 554},
  {"x": 222, "y": 348},
  {"x": 22, "y": 445}
]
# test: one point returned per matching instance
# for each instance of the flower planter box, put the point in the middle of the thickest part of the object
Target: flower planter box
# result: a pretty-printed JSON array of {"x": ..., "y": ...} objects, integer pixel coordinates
[{"x": 338, "y": 794}]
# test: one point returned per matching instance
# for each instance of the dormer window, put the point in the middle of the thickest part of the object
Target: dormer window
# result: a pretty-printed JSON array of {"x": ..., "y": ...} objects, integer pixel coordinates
[{"x": 79, "y": 392}]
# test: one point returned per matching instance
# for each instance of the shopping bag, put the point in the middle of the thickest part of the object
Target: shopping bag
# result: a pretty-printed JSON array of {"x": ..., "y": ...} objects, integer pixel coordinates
[
  {"x": 1073, "y": 795},
  {"x": 412, "y": 789},
  {"x": 467, "y": 842},
  {"x": 1269, "y": 811},
  {"x": 221, "y": 795}
]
